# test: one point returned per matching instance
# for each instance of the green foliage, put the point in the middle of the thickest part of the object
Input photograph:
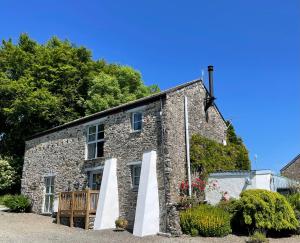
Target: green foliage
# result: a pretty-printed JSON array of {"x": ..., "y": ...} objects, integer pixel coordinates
[
  {"x": 228, "y": 206},
  {"x": 208, "y": 155},
  {"x": 18, "y": 203},
  {"x": 258, "y": 237},
  {"x": 7, "y": 174},
  {"x": 121, "y": 223},
  {"x": 264, "y": 210},
  {"x": 42, "y": 86},
  {"x": 119, "y": 85},
  {"x": 207, "y": 220},
  {"x": 3, "y": 198},
  {"x": 294, "y": 201}
]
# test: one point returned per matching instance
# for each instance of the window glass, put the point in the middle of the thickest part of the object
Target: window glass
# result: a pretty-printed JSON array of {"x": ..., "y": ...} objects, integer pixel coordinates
[
  {"x": 100, "y": 149},
  {"x": 91, "y": 150},
  {"x": 49, "y": 194},
  {"x": 100, "y": 131},
  {"x": 136, "y": 173},
  {"x": 92, "y": 129},
  {"x": 137, "y": 121},
  {"x": 95, "y": 141}
]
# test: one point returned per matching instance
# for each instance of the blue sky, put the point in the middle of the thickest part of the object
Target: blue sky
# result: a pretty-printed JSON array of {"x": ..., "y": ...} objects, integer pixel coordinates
[{"x": 254, "y": 46}]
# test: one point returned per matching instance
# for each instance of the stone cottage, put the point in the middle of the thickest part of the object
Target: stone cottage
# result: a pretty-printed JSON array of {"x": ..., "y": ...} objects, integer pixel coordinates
[
  {"x": 73, "y": 156},
  {"x": 292, "y": 169}
]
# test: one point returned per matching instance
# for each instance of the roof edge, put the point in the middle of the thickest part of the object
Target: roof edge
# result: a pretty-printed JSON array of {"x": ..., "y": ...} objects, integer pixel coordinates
[
  {"x": 291, "y": 162},
  {"x": 116, "y": 109}
]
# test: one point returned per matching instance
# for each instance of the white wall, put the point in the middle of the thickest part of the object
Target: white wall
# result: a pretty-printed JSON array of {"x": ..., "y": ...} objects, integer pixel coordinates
[{"x": 236, "y": 182}]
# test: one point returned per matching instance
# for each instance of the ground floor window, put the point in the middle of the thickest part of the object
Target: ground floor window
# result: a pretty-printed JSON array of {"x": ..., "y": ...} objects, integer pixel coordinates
[
  {"x": 135, "y": 168},
  {"x": 49, "y": 194},
  {"x": 95, "y": 178}
]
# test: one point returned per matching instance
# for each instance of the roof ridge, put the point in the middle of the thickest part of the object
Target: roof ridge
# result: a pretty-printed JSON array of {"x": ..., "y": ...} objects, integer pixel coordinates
[
  {"x": 122, "y": 106},
  {"x": 291, "y": 162}
]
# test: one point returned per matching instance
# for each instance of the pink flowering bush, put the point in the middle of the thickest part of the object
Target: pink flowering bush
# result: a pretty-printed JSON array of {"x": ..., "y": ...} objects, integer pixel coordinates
[{"x": 198, "y": 187}]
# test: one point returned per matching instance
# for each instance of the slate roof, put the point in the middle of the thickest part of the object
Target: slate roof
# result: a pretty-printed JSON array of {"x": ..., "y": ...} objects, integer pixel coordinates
[
  {"x": 291, "y": 162},
  {"x": 122, "y": 107}
]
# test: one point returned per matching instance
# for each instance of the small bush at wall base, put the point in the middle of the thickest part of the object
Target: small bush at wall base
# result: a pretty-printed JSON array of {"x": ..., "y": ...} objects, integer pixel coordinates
[
  {"x": 205, "y": 220},
  {"x": 258, "y": 237},
  {"x": 18, "y": 203}
]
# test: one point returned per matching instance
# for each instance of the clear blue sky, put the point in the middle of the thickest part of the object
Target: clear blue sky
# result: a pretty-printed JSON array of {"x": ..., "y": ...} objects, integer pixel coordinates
[{"x": 254, "y": 46}]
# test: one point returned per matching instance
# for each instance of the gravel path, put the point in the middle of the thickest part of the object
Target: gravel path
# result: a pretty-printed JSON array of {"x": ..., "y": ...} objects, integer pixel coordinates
[{"x": 36, "y": 228}]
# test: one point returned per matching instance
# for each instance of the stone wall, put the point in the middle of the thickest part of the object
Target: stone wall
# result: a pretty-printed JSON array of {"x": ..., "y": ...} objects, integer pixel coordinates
[
  {"x": 293, "y": 170},
  {"x": 175, "y": 150},
  {"x": 62, "y": 153}
]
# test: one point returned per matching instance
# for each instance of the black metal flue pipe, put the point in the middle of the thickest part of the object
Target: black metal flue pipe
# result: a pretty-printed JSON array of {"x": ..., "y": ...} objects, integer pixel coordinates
[{"x": 211, "y": 81}]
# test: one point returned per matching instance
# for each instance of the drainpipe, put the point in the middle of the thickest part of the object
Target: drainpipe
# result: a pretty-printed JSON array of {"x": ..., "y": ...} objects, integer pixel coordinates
[{"x": 187, "y": 143}]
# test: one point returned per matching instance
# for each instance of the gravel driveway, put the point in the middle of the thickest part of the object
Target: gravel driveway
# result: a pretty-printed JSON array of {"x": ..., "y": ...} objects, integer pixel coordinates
[{"x": 36, "y": 228}]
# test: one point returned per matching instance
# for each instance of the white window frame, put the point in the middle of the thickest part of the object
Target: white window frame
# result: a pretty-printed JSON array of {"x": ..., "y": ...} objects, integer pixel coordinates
[
  {"x": 132, "y": 165},
  {"x": 96, "y": 141},
  {"x": 133, "y": 122},
  {"x": 48, "y": 194}
]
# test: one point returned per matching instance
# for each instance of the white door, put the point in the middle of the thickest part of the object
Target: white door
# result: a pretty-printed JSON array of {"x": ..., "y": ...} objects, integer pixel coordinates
[{"x": 49, "y": 194}]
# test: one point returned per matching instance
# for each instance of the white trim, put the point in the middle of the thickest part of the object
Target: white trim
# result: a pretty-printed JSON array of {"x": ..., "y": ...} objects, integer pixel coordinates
[
  {"x": 134, "y": 163},
  {"x": 94, "y": 122},
  {"x": 137, "y": 109},
  {"x": 44, "y": 192},
  {"x": 94, "y": 168}
]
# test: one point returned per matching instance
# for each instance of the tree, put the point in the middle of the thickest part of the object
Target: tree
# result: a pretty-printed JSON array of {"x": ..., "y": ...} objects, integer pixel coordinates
[
  {"x": 46, "y": 85},
  {"x": 7, "y": 175}
]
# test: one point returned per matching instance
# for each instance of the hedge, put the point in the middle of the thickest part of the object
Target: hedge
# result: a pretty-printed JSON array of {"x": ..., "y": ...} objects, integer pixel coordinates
[{"x": 205, "y": 220}]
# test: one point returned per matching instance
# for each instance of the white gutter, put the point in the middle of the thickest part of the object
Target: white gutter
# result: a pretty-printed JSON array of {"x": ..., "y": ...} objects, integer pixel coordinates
[{"x": 187, "y": 143}]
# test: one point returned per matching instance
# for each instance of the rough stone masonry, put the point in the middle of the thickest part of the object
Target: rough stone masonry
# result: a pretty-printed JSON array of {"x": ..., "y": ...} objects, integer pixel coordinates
[{"x": 61, "y": 151}]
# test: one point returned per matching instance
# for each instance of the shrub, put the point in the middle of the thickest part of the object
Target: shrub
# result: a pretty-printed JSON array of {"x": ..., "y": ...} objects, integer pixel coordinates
[
  {"x": 264, "y": 210},
  {"x": 7, "y": 174},
  {"x": 206, "y": 220},
  {"x": 121, "y": 223},
  {"x": 4, "y": 198},
  {"x": 228, "y": 206},
  {"x": 18, "y": 203},
  {"x": 294, "y": 200},
  {"x": 258, "y": 237}
]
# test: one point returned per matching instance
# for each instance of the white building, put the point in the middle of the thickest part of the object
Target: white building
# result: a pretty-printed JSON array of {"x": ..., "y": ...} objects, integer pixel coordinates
[{"x": 235, "y": 182}]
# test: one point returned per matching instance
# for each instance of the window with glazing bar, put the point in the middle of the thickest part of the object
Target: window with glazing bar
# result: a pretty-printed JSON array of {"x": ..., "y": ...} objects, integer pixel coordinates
[
  {"x": 137, "y": 121},
  {"x": 95, "y": 141}
]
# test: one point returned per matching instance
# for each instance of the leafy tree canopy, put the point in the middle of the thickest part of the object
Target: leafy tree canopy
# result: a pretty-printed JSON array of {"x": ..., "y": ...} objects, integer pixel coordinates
[
  {"x": 209, "y": 156},
  {"x": 45, "y": 85}
]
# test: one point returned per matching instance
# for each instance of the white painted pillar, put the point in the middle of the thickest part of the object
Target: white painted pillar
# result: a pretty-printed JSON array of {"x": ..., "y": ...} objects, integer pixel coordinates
[
  {"x": 147, "y": 209},
  {"x": 108, "y": 203}
]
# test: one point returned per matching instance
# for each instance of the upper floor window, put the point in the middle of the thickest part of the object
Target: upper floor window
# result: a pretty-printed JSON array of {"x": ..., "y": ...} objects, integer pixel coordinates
[
  {"x": 137, "y": 121},
  {"x": 95, "y": 141}
]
